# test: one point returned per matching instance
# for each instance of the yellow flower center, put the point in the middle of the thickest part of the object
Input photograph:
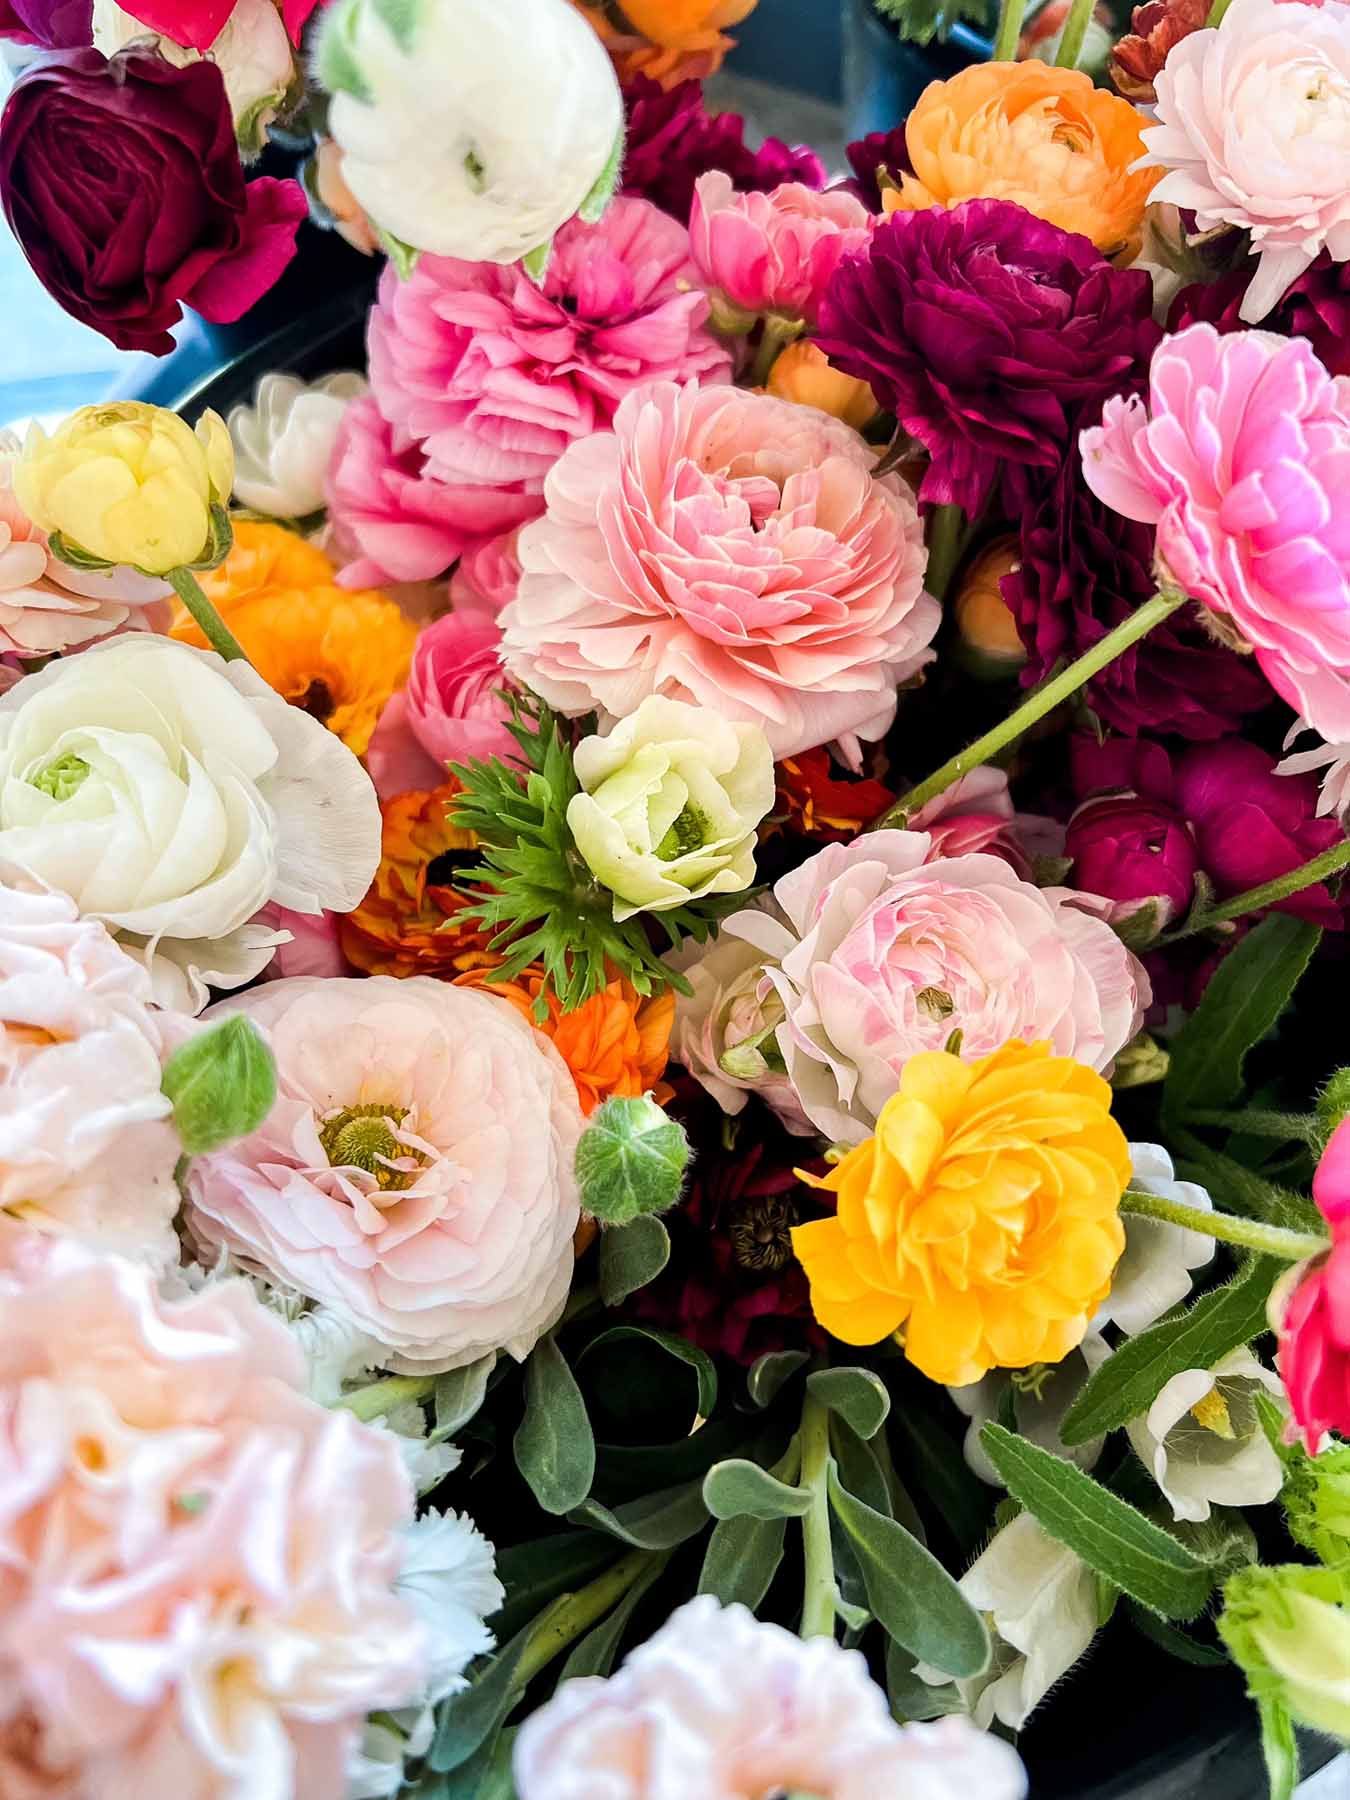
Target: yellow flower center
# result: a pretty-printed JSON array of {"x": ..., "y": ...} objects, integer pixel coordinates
[
  {"x": 363, "y": 1137},
  {"x": 1212, "y": 1412}
]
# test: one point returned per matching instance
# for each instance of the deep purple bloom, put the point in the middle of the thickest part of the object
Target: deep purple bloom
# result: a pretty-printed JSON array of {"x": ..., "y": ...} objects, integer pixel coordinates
[
  {"x": 1084, "y": 569},
  {"x": 51, "y": 24},
  {"x": 986, "y": 330},
  {"x": 1316, "y": 306},
  {"x": 868, "y": 156},
  {"x": 673, "y": 139}
]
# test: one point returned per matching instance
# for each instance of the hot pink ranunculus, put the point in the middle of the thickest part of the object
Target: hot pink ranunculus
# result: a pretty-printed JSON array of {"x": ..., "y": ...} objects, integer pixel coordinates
[
  {"x": 1241, "y": 458},
  {"x": 197, "y": 1562},
  {"x": 451, "y": 710},
  {"x": 1312, "y": 1317},
  {"x": 773, "y": 252},
  {"x": 729, "y": 549},
  {"x": 392, "y": 1180},
  {"x": 1331, "y": 1183}
]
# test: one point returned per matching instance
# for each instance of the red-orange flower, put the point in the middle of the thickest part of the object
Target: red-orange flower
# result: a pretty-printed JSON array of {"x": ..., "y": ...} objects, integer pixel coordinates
[
  {"x": 814, "y": 800},
  {"x": 667, "y": 40},
  {"x": 410, "y": 922}
]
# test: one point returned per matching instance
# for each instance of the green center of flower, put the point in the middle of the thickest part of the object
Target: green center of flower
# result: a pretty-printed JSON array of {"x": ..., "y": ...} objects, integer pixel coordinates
[
  {"x": 363, "y": 1137},
  {"x": 62, "y": 777},
  {"x": 686, "y": 834}
]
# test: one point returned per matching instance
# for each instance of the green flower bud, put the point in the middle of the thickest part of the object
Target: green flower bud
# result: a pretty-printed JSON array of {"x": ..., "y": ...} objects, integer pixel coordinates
[
  {"x": 1316, "y": 1500},
  {"x": 222, "y": 1083},
  {"x": 631, "y": 1160},
  {"x": 1333, "y": 1103},
  {"x": 1289, "y": 1631}
]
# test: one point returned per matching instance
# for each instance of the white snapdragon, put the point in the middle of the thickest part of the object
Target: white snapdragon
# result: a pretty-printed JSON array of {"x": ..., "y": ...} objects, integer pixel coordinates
[
  {"x": 1203, "y": 1442},
  {"x": 1041, "y": 1397},
  {"x": 284, "y": 441},
  {"x": 1155, "y": 1271}
]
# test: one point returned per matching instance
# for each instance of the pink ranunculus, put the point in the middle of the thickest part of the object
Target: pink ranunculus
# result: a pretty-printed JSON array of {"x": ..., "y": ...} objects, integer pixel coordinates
[
  {"x": 977, "y": 813},
  {"x": 197, "y": 1562},
  {"x": 729, "y": 549},
  {"x": 1310, "y": 1310},
  {"x": 487, "y": 577},
  {"x": 315, "y": 947},
  {"x": 1241, "y": 458},
  {"x": 1137, "y": 854},
  {"x": 1254, "y": 131},
  {"x": 392, "y": 1180},
  {"x": 720, "y": 1706},
  {"x": 773, "y": 252},
  {"x": 451, "y": 710},
  {"x": 884, "y": 953}
]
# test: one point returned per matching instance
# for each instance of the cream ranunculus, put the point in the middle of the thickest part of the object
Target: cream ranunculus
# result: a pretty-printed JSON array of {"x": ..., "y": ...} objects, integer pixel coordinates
[
  {"x": 672, "y": 798},
  {"x": 173, "y": 795},
  {"x": 129, "y": 483},
  {"x": 283, "y": 442}
]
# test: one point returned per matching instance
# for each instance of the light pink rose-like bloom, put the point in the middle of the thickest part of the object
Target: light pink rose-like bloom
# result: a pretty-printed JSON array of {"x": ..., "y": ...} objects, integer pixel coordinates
[
  {"x": 487, "y": 578},
  {"x": 1254, "y": 131},
  {"x": 773, "y": 252},
  {"x": 977, "y": 813},
  {"x": 451, "y": 710},
  {"x": 728, "y": 549},
  {"x": 415, "y": 1174},
  {"x": 719, "y": 1706},
  {"x": 1241, "y": 458},
  {"x": 883, "y": 953},
  {"x": 86, "y": 1142}
]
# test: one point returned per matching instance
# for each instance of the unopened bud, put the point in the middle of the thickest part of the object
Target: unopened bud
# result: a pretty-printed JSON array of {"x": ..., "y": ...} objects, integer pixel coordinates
[
  {"x": 222, "y": 1083},
  {"x": 988, "y": 629},
  {"x": 631, "y": 1160}
]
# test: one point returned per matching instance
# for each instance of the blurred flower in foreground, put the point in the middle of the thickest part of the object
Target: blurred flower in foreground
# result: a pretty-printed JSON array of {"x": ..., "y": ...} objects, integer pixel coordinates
[{"x": 284, "y": 441}]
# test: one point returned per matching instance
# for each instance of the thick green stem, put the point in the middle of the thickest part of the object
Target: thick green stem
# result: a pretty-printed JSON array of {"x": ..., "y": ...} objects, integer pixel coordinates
[
  {"x": 778, "y": 333},
  {"x": 1308, "y": 874},
  {"x": 818, "y": 1587},
  {"x": 574, "y": 1614},
  {"x": 1010, "y": 19},
  {"x": 1216, "y": 12},
  {"x": 1269, "y": 1240},
  {"x": 382, "y": 1397},
  {"x": 948, "y": 534},
  {"x": 1046, "y": 698},
  {"x": 1075, "y": 31},
  {"x": 221, "y": 639},
  {"x": 1285, "y": 1128}
]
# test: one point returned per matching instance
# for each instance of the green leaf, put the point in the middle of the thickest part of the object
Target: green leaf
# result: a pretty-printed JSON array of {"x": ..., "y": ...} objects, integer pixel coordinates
[
  {"x": 861, "y": 1473},
  {"x": 909, "y": 1591},
  {"x": 1246, "y": 995},
  {"x": 595, "y": 1654},
  {"x": 771, "y": 1371},
  {"x": 486, "y": 1776},
  {"x": 630, "y": 1160},
  {"x": 857, "y": 1395},
  {"x": 536, "y": 1573},
  {"x": 742, "y": 1559},
  {"x": 555, "y": 1450},
  {"x": 1110, "y": 1535},
  {"x": 467, "y": 1720},
  {"x": 592, "y": 208},
  {"x": 1175, "y": 1642},
  {"x": 941, "y": 1474},
  {"x": 656, "y": 1522},
  {"x": 459, "y": 1395},
  {"x": 912, "y": 1700},
  {"x": 535, "y": 262},
  {"x": 1130, "y": 1380},
  {"x": 1279, "y": 1746},
  {"x": 738, "y": 1489},
  {"x": 221, "y": 1084},
  {"x": 631, "y": 1256},
  {"x": 698, "y": 1361}
]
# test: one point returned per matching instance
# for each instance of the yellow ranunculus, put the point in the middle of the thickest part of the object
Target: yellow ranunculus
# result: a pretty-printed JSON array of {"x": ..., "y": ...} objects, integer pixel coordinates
[
  {"x": 983, "y": 1216},
  {"x": 128, "y": 483},
  {"x": 805, "y": 374}
]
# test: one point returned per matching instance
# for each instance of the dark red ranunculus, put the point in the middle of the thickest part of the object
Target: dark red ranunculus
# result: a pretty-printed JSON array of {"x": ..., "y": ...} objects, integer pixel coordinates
[
  {"x": 1315, "y": 305},
  {"x": 1134, "y": 851},
  {"x": 122, "y": 182},
  {"x": 51, "y": 24}
]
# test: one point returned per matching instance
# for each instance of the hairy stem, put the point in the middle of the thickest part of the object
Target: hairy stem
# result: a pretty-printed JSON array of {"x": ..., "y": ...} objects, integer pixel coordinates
[
  {"x": 1269, "y": 1240},
  {"x": 1255, "y": 1121},
  {"x": 1308, "y": 874},
  {"x": 221, "y": 639}
]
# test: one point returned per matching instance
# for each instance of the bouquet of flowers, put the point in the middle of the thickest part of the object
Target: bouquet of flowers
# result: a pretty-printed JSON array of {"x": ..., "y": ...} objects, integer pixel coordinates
[{"x": 654, "y": 1135}]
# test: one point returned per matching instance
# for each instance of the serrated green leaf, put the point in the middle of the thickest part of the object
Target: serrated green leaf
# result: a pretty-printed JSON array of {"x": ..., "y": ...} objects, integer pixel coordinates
[
  {"x": 739, "y": 1489},
  {"x": 554, "y": 1446},
  {"x": 631, "y": 1256},
  {"x": 1130, "y": 1380},
  {"x": 459, "y": 1394},
  {"x": 656, "y": 1522},
  {"x": 857, "y": 1395},
  {"x": 742, "y": 1559},
  {"x": 770, "y": 1373},
  {"x": 596, "y": 1652},
  {"x": 1112, "y": 1537},
  {"x": 467, "y": 1720}
]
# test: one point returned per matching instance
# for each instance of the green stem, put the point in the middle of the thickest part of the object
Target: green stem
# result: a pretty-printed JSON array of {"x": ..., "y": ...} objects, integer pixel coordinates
[
  {"x": 1075, "y": 31},
  {"x": 819, "y": 1589},
  {"x": 948, "y": 534},
  {"x": 1269, "y": 1240},
  {"x": 1308, "y": 874},
  {"x": 1010, "y": 19},
  {"x": 1285, "y": 1128},
  {"x": 1035, "y": 707},
  {"x": 574, "y": 1614},
  {"x": 1214, "y": 18},
  {"x": 382, "y": 1397},
  {"x": 778, "y": 333},
  {"x": 221, "y": 639}
]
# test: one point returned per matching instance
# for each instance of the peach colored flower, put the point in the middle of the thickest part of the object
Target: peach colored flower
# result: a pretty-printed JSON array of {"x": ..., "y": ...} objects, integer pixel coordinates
[
  {"x": 408, "y": 923},
  {"x": 805, "y": 374},
  {"x": 685, "y": 40},
  {"x": 415, "y": 1174},
  {"x": 728, "y": 549},
  {"x": 773, "y": 252}
]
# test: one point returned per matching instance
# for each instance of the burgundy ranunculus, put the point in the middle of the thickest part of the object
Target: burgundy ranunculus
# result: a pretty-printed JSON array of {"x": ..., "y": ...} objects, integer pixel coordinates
[
  {"x": 1315, "y": 305},
  {"x": 50, "y": 24},
  {"x": 868, "y": 156},
  {"x": 1084, "y": 569},
  {"x": 121, "y": 180},
  {"x": 673, "y": 139},
  {"x": 986, "y": 331},
  {"x": 1133, "y": 852}
]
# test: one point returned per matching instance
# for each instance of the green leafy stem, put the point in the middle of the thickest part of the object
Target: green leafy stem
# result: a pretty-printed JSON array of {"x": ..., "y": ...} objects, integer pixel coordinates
[{"x": 1252, "y": 1234}]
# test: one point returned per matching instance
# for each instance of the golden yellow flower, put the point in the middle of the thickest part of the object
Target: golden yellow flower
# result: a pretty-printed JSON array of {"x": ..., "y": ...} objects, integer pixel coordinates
[
  {"x": 411, "y": 921},
  {"x": 983, "y": 616},
  {"x": 983, "y": 1216},
  {"x": 1045, "y": 138},
  {"x": 805, "y": 374},
  {"x": 128, "y": 483}
]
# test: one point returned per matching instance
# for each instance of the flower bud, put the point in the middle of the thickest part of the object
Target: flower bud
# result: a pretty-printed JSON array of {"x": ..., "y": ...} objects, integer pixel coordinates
[
  {"x": 631, "y": 1159},
  {"x": 222, "y": 1083},
  {"x": 1289, "y": 1633},
  {"x": 1333, "y": 1103},
  {"x": 1316, "y": 1501},
  {"x": 805, "y": 374},
  {"x": 983, "y": 618}
]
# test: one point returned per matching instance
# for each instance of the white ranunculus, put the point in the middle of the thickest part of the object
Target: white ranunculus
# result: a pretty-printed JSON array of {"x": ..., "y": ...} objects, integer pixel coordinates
[
  {"x": 283, "y": 442},
  {"x": 1041, "y": 1398},
  {"x": 672, "y": 798},
  {"x": 473, "y": 130},
  {"x": 1155, "y": 1271},
  {"x": 172, "y": 795},
  {"x": 1203, "y": 1443}
]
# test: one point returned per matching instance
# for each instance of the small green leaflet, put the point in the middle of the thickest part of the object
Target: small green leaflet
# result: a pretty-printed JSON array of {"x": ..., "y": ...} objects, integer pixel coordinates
[
  {"x": 857, "y": 1395},
  {"x": 742, "y": 1559},
  {"x": 631, "y": 1256},
  {"x": 555, "y": 1449},
  {"x": 738, "y": 1489}
]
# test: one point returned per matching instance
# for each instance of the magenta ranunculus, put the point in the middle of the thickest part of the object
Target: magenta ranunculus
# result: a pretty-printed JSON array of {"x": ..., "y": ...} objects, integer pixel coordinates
[
  {"x": 451, "y": 710},
  {"x": 985, "y": 330},
  {"x": 773, "y": 252},
  {"x": 1315, "y": 306},
  {"x": 869, "y": 156},
  {"x": 51, "y": 24},
  {"x": 1241, "y": 458},
  {"x": 1134, "y": 852},
  {"x": 1313, "y": 1322},
  {"x": 121, "y": 180}
]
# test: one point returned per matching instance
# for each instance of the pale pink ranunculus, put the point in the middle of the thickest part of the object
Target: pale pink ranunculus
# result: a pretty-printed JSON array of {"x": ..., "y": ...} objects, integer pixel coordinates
[
  {"x": 773, "y": 252},
  {"x": 1254, "y": 131},
  {"x": 1241, "y": 458},
  {"x": 451, "y": 710},
  {"x": 882, "y": 952},
  {"x": 719, "y": 1705},
  {"x": 87, "y": 1146},
  {"x": 197, "y": 1563},
  {"x": 728, "y": 549},
  {"x": 415, "y": 1174},
  {"x": 977, "y": 813}
]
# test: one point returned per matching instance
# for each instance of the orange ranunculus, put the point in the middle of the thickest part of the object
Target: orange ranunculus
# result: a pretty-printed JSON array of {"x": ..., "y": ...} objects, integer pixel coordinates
[
  {"x": 338, "y": 654},
  {"x": 983, "y": 1216},
  {"x": 616, "y": 1042},
  {"x": 667, "y": 40},
  {"x": 410, "y": 922},
  {"x": 1045, "y": 138},
  {"x": 983, "y": 617},
  {"x": 805, "y": 374}
]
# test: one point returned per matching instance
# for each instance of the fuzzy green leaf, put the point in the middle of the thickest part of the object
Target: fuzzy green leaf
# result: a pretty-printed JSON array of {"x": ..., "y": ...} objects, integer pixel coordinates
[
  {"x": 742, "y": 1559},
  {"x": 770, "y": 1373},
  {"x": 740, "y": 1489},
  {"x": 630, "y": 1160},
  {"x": 631, "y": 1256},
  {"x": 596, "y": 1652},
  {"x": 221, "y": 1083},
  {"x": 656, "y": 1522},
  {"x": 460, "y": 1393},
  {"x": 555, "y": 1449},
  {"x": 857, "y": 1395}
]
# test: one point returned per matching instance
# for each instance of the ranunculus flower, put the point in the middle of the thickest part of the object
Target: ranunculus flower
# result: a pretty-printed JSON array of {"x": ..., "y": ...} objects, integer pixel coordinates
[
  {"x": 879, "y": 154},
  {"x": 728, "y": 549},
  {"x": 669, "y": 805},
  {"x": 121, "y": 180},
  {"x": 486, "y": 577},
  {"x": 1315, "y": 305},
  {"x": 884, "y": 954},
  {"x": 451, "y": 711},
  {"x": 1155, "y": 27},
  {"x": 284, "y": 441},
  {"x": 1045, "y": 138},
  {"x": 1253, "y": 129},
  {"x": 669, "y": 41},
  {"x": 977, "y": 813},
  {"x": 773, "y": 252},
  {"x": 51, "y": 24},
  {"x": 199, "y": 23},
  {"x": 315, "y": 946},
  {"x": 984, "y": 329},
  {"x": 202, "y": 1566},
  {"x": 172, "y": 795},
  {"x": 803, "y": 373},
  {"x": 415, "y": 1174},
  {"x": 1136, "y": 853},
  {"x": 474, "y": 130},
  {"x": 1238, "y": 458},
  {"x": 1310, "y": 1310},
  {"x": 718, "y": 1703},
  {"x": 983, "y": 617}
]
